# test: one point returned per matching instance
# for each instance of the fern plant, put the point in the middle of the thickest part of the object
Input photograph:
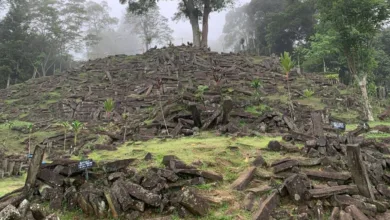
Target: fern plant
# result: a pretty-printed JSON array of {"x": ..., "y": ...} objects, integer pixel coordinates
[
  {"x": 308, "y": 93},
  {"x": 76, "y": 127},
  {"x": 109, "y": 106}
]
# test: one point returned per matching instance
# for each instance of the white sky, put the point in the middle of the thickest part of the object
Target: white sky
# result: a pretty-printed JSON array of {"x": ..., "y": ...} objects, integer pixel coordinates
[{"x": 182, "y": 29}]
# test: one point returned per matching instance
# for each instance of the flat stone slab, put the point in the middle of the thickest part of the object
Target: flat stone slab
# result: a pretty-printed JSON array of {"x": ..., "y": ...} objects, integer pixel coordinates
[
  {"x": 51, "y": 178},
  {"x": 243, "y": 180},
  {"x": 115, "y": 166},
  {"x": 266, "y": 207},
  {"x": 285, "y": 166},
  {"x": 142, "y": 194},
  {"x": 203, "y": 173},
  {"x": 327, "y": 176}
]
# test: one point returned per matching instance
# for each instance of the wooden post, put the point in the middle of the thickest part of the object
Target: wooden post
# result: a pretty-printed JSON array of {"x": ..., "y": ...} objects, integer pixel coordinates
[
  {"x": 33, "y": 170},
  {"x": 359, "y": 171}
]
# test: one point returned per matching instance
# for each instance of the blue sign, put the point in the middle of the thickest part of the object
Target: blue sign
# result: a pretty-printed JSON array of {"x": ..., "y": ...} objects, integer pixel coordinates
[
  {"x": 30, "y": 155},
  {"x": 85, "y": 164},
  {"x": 338, "y": 125}
]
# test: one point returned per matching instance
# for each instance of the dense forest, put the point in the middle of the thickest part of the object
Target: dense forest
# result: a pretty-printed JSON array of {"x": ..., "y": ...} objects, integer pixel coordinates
[{"x": 44, "y": 37}]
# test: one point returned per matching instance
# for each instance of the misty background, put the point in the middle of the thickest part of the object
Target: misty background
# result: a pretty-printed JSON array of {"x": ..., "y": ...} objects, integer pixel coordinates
[{"x": 182, "y": 32}]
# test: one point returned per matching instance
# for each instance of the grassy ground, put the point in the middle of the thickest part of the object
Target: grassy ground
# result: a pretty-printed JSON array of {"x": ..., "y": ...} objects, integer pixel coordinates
[
  {"x": 11, "y": 140},
  {"x": 10, "y": 184}
]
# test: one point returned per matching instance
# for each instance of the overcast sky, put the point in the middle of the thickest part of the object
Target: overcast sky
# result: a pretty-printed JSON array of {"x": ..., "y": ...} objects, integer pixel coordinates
[{"x": 182, "y": 29}]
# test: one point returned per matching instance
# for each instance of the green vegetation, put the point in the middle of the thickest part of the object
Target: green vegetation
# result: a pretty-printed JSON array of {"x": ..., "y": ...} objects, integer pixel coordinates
[
  {"x": 76, "y": 126},
  {"x": 10, "y": 184},
  {"x": 109, "y": 106},
  {"x": 258, "y": 110},
  {"x": 200, "y": 91},
  {"x": 308, "y": 93},
  {"x": 256, "y": 84},
  {"x": 30, "y": 129},
  {"x": 66, "y": 127}
]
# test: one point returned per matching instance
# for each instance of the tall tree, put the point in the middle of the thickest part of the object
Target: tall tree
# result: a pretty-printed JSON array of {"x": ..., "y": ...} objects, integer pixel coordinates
[
  {"x": 356, "y": 22},
  {"x": 98, "y": 20},
  {"x": 193, "y": 10},
  {"x": 270, "y": 26},
  {"x": 151, "y": 27},
  {"x": 13, "y": 38}
]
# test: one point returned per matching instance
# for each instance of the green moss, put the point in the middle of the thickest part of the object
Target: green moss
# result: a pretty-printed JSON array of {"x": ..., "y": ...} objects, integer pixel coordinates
[
  {"x": 258, "y": 110},
  {"x": 83, "y": 75}
]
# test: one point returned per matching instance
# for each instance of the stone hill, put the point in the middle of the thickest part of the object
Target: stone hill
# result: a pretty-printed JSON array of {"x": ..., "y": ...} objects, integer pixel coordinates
[{"x": 192, "y": 87}]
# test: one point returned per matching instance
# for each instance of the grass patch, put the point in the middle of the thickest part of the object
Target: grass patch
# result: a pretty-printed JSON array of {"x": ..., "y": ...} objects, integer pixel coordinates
[
  {"x": 313, "y": 102},
  {"x": 10, "y": 101},
  {"x": 212, "y": 150},
  {"x": 8, "y": 185},
  {"x": 258, "y": 110},
  {"x": 12, "y": 140}
]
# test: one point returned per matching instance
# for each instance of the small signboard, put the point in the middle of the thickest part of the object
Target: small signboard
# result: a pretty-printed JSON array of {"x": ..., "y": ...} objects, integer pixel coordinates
[
  {"x": 30, "y": 155},
  {"x": 85, "y": 164},
  {"x": 338, "y": 125}
]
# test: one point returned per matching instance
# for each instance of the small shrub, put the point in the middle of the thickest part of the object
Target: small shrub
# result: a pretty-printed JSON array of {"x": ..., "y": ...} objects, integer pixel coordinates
[
  {"x": 308, "y": 93},
  {"x": 108, "y": 106},
  {"x": 332, "y": 76},
  {"x": 200, "y": 92}
]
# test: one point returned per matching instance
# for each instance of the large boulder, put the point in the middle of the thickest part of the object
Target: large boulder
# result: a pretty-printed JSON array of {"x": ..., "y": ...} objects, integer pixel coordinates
[{"x": 10, "y": 213}]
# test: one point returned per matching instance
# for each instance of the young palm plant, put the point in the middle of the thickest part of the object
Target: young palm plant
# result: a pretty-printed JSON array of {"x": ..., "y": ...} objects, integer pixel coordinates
[
  {"x": 66, "y": 126},
  {"x": 287, "y": 64},
  {"x": 76, "y": 127},
  {"x": 125, "y": 116},
  {"x": 109, "y": 106},
  {"x": 256, "y": 84},
  {"x": 30, "y": 129}
]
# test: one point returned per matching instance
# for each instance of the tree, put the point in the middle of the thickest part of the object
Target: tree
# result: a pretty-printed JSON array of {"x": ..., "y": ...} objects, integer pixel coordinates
[
  {"x": 13, "y": 41},
  {"x": 270, "y": 26},
  {"x": 98, "y": 21},
  {"x": 287, "y": 64},
  {"x": 151, "y": 27},
  {"x": 193, "y": 10},
  {"x": 356, "y": 22}
]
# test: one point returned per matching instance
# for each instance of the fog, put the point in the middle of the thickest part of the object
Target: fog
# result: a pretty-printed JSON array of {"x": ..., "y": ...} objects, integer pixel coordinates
[{"x": 182, "y": 29}]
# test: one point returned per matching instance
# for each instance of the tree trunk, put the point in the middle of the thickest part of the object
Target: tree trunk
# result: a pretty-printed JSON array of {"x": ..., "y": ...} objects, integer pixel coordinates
[
  {"x": 205, "y": 27},
  {"x": 34, "y": 74},
  {"x": 8, "y": 80},
  {"x": 323, "y": 60},
  {"x": 366, "y": 102},
  {"x": 193, "y": 16}
]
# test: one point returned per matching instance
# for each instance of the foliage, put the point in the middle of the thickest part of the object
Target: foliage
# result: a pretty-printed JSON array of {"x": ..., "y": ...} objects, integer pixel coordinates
[
  {"x": 332, "y": 76},
  {"x": 76, "y": 126},
  {"x": 66, "y": 126},
  {"x": 269, "y": 26},
  {"x": 109, "y": 106},
  {"x": 256, "y": 84},
  {"x": 308, "y": 93},
  {"x": 200, "y": 91},
  {"x": 286, "y": 63}
]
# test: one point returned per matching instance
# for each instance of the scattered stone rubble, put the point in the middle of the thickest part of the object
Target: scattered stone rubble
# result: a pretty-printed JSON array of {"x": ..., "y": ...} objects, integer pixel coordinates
[
  {"x": 353, "y": 176},
  {"x": 115, "y": 190}
]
